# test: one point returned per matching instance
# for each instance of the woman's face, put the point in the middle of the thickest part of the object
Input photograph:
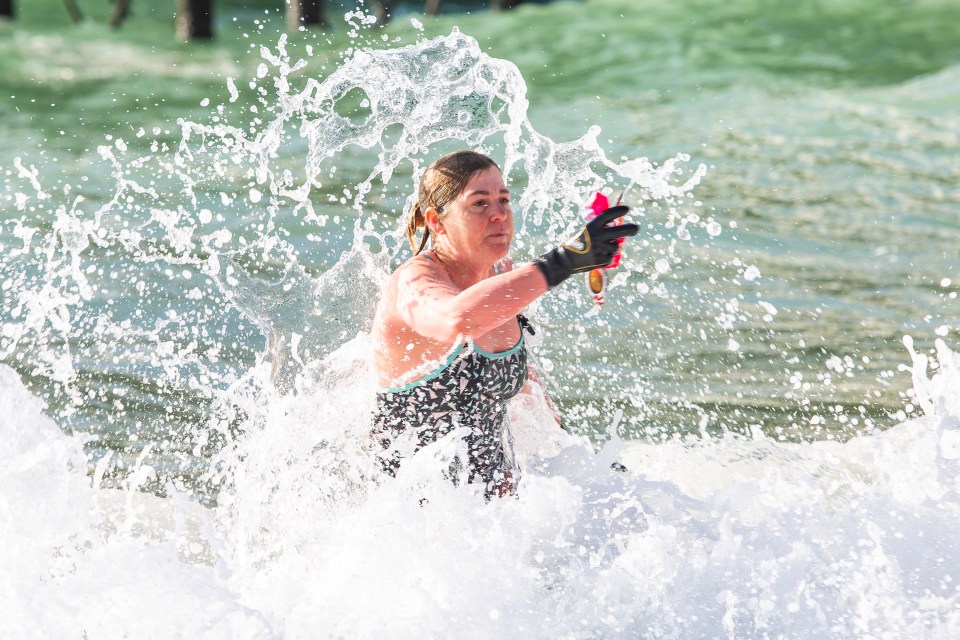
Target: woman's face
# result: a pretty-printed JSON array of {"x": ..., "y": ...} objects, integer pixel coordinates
[{"x": 478, "y": 224}]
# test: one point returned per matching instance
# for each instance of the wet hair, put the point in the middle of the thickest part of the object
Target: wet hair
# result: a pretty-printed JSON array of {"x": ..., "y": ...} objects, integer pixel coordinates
[{"x": 441, "y": 183}]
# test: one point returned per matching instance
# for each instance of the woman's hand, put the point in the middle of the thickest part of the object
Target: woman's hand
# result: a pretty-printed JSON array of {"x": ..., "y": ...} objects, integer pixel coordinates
[{"x": 592, "y": 248}]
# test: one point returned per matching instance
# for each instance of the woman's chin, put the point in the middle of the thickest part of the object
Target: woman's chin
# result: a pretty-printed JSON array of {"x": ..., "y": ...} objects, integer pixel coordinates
[{"x": 499, "y": 249}]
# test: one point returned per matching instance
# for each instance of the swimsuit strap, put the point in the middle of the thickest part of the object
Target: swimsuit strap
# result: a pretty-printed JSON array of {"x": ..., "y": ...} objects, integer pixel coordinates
[{"x": 525, "y": 325}]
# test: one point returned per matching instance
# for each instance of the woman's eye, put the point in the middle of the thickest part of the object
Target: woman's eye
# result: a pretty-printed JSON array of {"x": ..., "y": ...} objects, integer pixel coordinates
[
  {"x": 505, "y": 202},
  {"x": 482, "y": 204}
]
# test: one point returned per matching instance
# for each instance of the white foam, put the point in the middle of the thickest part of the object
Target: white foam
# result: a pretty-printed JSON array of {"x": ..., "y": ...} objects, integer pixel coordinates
[{"x": 728, "y": 537}]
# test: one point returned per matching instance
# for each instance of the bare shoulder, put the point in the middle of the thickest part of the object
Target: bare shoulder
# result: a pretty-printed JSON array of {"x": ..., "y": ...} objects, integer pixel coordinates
[
  {"x": 387, "y": 320},
  {"x": 418, "y": 269},
  {"x": 413, "y": 279},
  {"x": 424, "y": 279}
]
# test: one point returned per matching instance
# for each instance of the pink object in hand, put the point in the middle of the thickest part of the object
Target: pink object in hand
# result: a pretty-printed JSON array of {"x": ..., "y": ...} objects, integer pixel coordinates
[{"x": 599, "y": 205}]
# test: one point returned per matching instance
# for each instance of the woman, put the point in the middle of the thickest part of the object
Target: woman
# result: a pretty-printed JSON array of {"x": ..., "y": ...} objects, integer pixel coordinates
[{"x": 448, "y": 331}]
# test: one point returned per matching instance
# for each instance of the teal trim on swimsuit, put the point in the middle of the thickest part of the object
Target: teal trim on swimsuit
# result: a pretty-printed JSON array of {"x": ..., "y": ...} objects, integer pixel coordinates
[
  {"x": 453, "y": 356},
  {"x": 433, "y": 374},
  {"x": 501, "y": 354}
]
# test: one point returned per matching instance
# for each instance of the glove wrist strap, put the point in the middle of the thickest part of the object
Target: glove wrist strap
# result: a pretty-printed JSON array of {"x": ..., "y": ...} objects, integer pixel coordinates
[{"x": 552, "y": 266}]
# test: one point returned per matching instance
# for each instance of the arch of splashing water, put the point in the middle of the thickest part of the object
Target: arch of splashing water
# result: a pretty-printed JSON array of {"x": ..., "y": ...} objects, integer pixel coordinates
[
  {"x": 445, "y": 89},
  {"x": 418, "y": 99}
]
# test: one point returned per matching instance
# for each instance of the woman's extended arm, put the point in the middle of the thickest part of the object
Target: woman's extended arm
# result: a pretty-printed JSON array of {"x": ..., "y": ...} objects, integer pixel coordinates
[{"x": 430, "y": 304}]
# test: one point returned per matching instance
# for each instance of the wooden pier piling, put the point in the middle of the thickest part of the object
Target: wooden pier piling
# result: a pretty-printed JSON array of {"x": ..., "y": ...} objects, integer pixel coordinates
[
  {"x": 194, "y": 20},
  {"x": 305, "y": 13},
  {"x": 121, "y": 9}
]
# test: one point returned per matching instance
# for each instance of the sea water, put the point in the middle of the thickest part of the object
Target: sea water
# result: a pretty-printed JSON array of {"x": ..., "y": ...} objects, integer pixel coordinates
[{"x": 187, "y": 290}]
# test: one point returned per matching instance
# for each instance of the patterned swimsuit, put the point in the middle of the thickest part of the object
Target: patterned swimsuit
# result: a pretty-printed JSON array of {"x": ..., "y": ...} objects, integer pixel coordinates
[{"x": 469, "y": 390}]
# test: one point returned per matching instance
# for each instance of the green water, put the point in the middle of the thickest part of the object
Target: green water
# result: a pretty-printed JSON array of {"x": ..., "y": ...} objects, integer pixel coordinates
[{"x": 829, "y": 129}]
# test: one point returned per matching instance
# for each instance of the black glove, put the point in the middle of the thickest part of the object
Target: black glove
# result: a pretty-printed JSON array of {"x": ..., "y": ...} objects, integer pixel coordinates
[{"x": 594, "y": 247}]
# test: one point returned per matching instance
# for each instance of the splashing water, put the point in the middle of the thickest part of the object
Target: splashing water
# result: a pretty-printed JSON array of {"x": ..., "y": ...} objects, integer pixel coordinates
[
  {"x": 729, "y": 538},
  {"x": 200, "y": 336}
]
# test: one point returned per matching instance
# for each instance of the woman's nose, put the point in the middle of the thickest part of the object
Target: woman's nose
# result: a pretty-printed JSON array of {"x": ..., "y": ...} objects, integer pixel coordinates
[{"x": 500, "y": 211}]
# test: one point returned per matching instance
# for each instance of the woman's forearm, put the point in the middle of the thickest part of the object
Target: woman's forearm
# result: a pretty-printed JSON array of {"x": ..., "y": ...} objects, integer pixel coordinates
[{"x": 491, "y": 302}]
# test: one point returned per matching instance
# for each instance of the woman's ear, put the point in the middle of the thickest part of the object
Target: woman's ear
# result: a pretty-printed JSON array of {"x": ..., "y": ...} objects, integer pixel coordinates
[{"x": 432, "y": 217}]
